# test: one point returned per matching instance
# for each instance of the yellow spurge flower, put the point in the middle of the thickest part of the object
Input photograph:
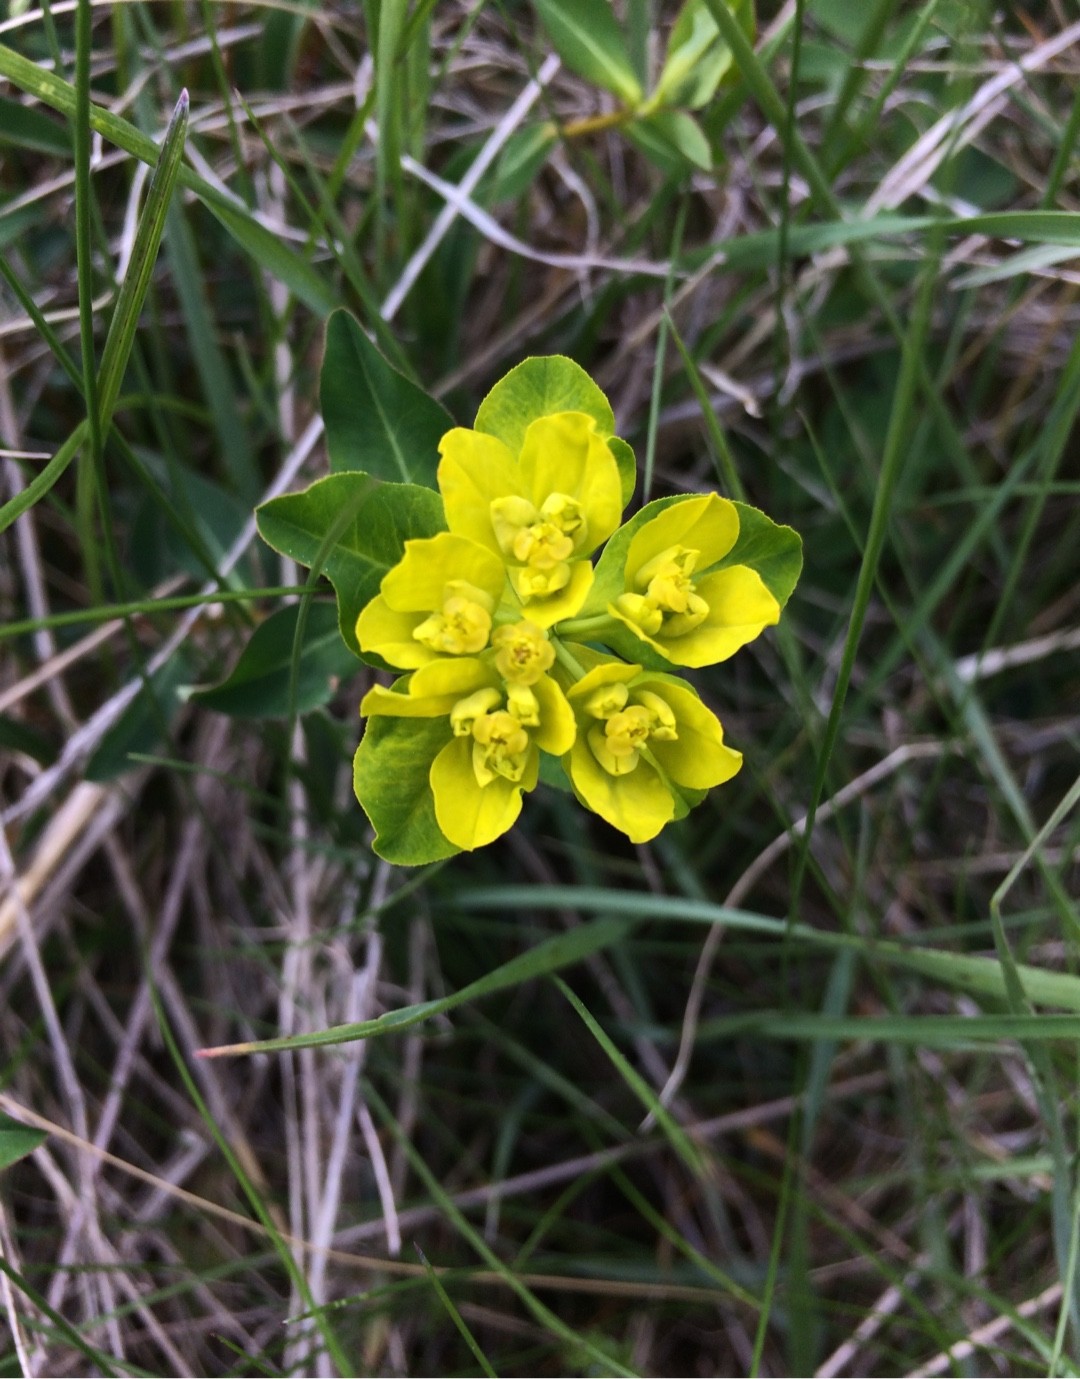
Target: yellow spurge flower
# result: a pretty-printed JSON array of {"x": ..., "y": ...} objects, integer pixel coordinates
[
  {"x": 438, "y": 600},
  {"x": 542, "y": 512},
  {"x": 640, "y": 735},
  {"x": 690, "y": 617},
  {"x": 498, "y": 728}
]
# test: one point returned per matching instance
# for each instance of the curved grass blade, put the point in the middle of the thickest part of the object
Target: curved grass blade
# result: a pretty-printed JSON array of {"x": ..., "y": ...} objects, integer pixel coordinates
[
  {"x": 44, "y": 479},
  {"x": 133, "y": 290},
  {"x": 268, "y": 250},
  {"x": 455, "y": 1316},
  {"x": 676, "y": 1136},
  {"x": 548, "y": 956},
  {"x": 965, "y": 971}
]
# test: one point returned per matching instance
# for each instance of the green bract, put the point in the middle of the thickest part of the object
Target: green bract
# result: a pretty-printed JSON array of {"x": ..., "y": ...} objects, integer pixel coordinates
[{"x": 531, "y": 624}]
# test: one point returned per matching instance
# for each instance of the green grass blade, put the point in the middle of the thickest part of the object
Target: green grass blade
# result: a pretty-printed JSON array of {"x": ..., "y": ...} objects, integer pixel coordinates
[
  {"x": 455, "y": 1316},
  {"x": 560, "y": 951},
  {"x": 637, "y": 1084},
  {"x": 269, "y": 250},
  {"x": 129, "y": 305},
  {"x": 40, "y": 484},
  {"x": 83, "y": 196},
  {"x": 967, "y": 972}
]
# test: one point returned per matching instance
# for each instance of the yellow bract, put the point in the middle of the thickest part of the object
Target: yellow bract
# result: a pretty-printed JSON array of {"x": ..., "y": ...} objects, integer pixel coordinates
[
  {"x": 496, "y": 732},
  {"x": 641, "y": 736},
  {"x": 692, "y": 618},
  {"x": 438, "y": 600},
  {"x": 542, "y": 512}
]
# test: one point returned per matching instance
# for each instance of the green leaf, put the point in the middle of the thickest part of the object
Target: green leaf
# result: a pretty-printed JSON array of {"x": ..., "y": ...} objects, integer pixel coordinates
[
  {"x": 25, "y": 127},
  {"x": 376, "y": 419},
  {"x": 211, "y": 520},
  {"x": 143, "y": 724},
  {"x": 673, "y": 140},
  {"x": 627, "y": 462},
  {"x": 969, "y": 972},
  {"x": 44, "y": 479},
  {"x": 259, "y": 684},
  {"x": 353, "y": 529},
  {"x": 697, "y": 57},
  {"x": 525, "y": 153},
  {"x": 390, "y": 777},
  {"x": 550, "y": 955},
  {"x": 775, "y": 552},
  {"x": 129, "y": 303},
  {"x": 537, "y": 387},
  {"x": 552, "y": 773},
  {"x": 590, "y": 42},
  {"x": 16, "y": 1141},
  {"x": 20, "y": 737}
]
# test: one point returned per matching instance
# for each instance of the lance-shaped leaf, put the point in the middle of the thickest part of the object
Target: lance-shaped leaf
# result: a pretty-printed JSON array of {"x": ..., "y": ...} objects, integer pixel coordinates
[
  {"x": 16, "y": 1141},
  {"x": 353, "y": 529},
  {"x": 276, "y": 676},
  {"x": 376, "y": 419},
  {"x": 590, "y": 42},
  {"x": 698, "y": 58}
]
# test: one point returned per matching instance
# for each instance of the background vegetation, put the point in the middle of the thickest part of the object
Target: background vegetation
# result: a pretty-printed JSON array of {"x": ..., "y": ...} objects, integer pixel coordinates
[{"x": 841, "y": 993}]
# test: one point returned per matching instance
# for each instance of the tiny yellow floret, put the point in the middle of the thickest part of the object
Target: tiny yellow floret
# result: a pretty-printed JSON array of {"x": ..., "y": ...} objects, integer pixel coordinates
[
  {"x": 463, "y": 624},
  {"x": 522, "y": 653}
]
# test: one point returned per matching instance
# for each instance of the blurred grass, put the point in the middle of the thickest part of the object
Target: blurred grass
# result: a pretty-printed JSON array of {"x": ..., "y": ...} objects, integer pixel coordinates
[{"x": 866, "y": 1163}]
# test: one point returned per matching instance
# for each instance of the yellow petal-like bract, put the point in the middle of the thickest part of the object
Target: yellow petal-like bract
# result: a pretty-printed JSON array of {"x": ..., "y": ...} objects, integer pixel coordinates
[
  {"x": 641, "y": 736},
  {"x": 543, "y": 512},
  {"x": 673, "y": 603}
]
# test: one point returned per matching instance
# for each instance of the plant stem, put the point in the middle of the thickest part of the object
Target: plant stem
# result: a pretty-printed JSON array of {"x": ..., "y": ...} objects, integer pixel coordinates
[{"x": 583, "y": 627}]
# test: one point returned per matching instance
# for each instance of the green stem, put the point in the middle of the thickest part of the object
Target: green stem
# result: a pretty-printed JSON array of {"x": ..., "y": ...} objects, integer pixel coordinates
[
  {"x": 567, "y": 659},
  {"x": 577, "y": 628}
]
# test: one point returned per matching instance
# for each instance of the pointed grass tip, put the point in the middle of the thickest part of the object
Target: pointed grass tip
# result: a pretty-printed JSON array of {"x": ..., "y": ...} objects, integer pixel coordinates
[{"x": 223, "y": 1050}]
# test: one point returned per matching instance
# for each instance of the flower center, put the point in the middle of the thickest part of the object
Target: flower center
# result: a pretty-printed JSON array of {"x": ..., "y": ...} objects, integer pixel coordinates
[
  {"x": 540, "y": 541},
  {"x": 666, "y": 602},
  {"x": 626, "y": 725},
  {"x": 500, "y": 742},
  {"x": 464, "y": 623},
  {"x": 500, "y": 746},
  {"x": 522, "y": 653}
]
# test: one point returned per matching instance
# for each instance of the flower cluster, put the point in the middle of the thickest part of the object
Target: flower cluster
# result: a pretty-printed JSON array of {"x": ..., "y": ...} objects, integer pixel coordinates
[{"x": 515, "y": 643}]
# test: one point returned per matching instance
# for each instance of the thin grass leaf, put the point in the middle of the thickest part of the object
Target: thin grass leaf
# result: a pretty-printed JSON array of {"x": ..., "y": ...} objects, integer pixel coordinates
[
  {"x": 269, "y": 250},
  {"x": 967, "y": 972},
  {"x": 454, "y": 1315},
  {"x": 637, "y": 1084},
  {"x": 43, "y": 481},
  {"x": 129, "y": 303},
  {"x": 549, "y": 956}
]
